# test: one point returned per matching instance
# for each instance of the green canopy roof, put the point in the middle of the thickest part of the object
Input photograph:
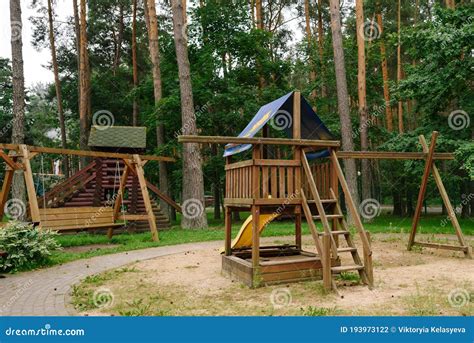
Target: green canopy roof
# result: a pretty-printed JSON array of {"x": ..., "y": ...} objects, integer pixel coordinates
[{"x": 118, "y": 137}]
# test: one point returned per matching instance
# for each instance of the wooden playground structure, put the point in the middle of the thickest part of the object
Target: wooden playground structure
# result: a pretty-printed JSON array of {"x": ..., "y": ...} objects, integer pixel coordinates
[
  {"x": 55, "y": 209},
  {"x": 268, "y": 187}
]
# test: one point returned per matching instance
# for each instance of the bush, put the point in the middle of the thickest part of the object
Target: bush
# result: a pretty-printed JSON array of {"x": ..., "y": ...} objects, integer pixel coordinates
[{"x": 26, "y": 246}]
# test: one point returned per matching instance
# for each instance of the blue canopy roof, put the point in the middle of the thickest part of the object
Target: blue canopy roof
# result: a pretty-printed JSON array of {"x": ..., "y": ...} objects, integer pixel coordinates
[{"x": 280, "y": 111}]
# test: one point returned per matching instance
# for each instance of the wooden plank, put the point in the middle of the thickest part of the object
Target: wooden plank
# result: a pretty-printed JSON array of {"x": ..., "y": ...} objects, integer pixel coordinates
[
  {"x": 228, "y": 230},
  {"x": 290, "y": 181},
  {"x": 257, "y": 141},
  {"x": 278, "y": 201},
  {"x": 30, "y": 185},
  {"x": 273, "y": 182},
  {"x": 132, "y": 217},
  {"x": 277, "y": 163},
  {"x": 446, "y": 201},
  {"x": 464, "y": 248},
  {"x": 393, "y": 155},
  {"x": 83, "y": 222},
  {"x": 240, "y": 164},
  {"x": 60, "y": 151},
  {"x": 146, "y": 197},
  {"x": 62, "y": 210},
  {"x": 255, "y": 238},
  {"x": 265, "y": 179},
  {"x": 82, "y": 227},
  {"x": 421, "y": 193},
  {"x": 281, "y": 182},
  {"x": 238, "y": 202}
]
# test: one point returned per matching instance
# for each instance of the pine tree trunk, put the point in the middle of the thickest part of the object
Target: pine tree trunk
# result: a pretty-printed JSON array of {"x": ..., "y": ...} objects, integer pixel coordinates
[
  {"x": 18, "y": 127},
  {"x": 84, "y": 81},
  {"x": 134, "y": 62},
  {"x": 386, "y": 90},
  {"x": 362, "y": 93},
  {"x": 57, "y": 83},
  {"x": 77, "y": 30},
  {"x": 399, "y": 68},
  {"x": 260, "y": 26},
  {"x": 194, "y": 214},
  {"x": 321, "y": 47},
  {"x": 154, "y": 48},
  {"x": 121, "y": 27},
  {"x": 309, "y": 38},
  {"x": 343, "y": 99}
]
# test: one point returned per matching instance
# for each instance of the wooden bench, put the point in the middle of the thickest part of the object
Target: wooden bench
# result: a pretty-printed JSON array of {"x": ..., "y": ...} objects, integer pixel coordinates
[{"x": 77, "y": 218}]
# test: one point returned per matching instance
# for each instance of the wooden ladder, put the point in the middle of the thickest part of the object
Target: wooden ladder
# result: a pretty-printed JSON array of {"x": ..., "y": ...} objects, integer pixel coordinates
[{"x": 323, "y": 210}]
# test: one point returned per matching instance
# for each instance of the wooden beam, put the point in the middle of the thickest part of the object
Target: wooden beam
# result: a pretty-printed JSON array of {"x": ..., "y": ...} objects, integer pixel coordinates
[
  {"x": 146, "y": 197},
  {"x": 421, "y": 194},
  {"x": 30, "y": 184},
  {"x": 36, "y": 149},
  {"x": 228, "y": 230},
  {"x": 464, "y": 249},
  {"x": 256, "y": 141},
  {"x": 326, "y": 262},
  {"x": 9, "y": 161},
  {"x": 447, "y": 202},
  {"x": 393, "y": 155},
  {"x": 119, "y": 197}
]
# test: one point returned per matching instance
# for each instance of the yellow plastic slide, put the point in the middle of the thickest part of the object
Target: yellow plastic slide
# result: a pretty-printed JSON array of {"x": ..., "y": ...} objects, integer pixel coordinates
[{"x": 244, "y": 237}]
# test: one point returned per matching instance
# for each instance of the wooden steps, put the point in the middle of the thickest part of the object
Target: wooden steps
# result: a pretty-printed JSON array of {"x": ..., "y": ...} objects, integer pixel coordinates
[{"x": 348, "y": 268}]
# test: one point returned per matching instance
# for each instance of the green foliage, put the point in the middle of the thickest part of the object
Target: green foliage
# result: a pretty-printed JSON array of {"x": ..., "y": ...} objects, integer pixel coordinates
[
  {"x": 314, "y": 311},
  {"x": 26, "y": 246}
]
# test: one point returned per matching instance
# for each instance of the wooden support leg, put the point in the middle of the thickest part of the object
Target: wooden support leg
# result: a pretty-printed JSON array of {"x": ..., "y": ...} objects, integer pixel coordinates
[
  {"x": 326, "y": 261},
  {"x": 228, "y": 231},
  {"x": 7, "y": 182},
  {"x": 255, "y": 245},
  {"x": 421, "y": 194},
  {"x": 118, "y": 198},
  {"x": 146, "y": 197},
  {"x": 30, "y": 185},
  {"x": 298, "y": 227}
]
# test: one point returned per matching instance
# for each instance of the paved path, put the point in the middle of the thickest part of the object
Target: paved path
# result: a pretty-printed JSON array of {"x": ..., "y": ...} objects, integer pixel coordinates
[{"x": 46, "y": 292}]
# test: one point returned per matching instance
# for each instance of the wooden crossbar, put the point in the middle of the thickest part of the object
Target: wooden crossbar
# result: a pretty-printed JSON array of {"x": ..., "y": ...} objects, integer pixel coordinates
[{"x": 257, "y": 141}]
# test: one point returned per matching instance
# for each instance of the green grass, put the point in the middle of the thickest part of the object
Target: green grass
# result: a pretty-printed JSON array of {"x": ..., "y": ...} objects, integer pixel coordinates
[{"x": 176, "y": 235}]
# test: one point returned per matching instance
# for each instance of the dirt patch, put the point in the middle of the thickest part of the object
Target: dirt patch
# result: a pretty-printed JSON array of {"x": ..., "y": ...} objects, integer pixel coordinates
[
  {"x": 90, "y": 247},
  {"x": 426, "y": 282}
]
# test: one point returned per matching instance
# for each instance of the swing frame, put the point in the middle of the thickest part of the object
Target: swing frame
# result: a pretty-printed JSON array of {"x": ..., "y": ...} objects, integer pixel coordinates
[{"x": 19, "y": 156}]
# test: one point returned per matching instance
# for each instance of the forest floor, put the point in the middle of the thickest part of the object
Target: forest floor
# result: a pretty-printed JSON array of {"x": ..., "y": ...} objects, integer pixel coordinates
[{"x": 419, "y": 282}]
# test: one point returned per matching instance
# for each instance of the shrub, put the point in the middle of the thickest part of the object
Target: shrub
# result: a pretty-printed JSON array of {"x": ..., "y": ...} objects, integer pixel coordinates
[{"x": 26, "y": 246}]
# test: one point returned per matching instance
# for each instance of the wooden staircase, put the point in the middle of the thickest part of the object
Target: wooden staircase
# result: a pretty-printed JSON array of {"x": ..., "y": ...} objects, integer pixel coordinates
[
  {"x": 81, "y": 190},
  {"x": 334, "y": 229}
]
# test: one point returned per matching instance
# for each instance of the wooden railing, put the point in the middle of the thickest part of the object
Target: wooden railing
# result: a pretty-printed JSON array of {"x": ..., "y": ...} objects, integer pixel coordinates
[
  {"x": 322, "y": 177},
  {"x": 63, "y": 190},
  {"x": 275, "y": 179}
]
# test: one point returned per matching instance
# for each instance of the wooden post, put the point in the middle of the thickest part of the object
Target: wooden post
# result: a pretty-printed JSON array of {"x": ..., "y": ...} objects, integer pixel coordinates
[
  {"x": 7, "y": 182},
  {"x": 298, "y": 215},
  {"x": 447, "y": 202},
  {"x": 119, "y": 197},
  {"x": 146, "y": 197},
  {"x": 98, "y": 182},
  {"x": 326, "y": 262},
  {"x": 335, "y": 188},
  {"x": 228, "y": 231},
  {"x": 30, "y": 185},
  {"x": 421, "y": 194},
  {"x": 297, "y": 156},
  {"x": 255, "y": 244}
]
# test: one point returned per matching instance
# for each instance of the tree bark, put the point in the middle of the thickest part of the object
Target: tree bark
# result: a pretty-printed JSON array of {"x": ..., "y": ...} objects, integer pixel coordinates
[
  {"x": 362, "y": 94},
  {"x": 134, "y": 62},
  {"x": 321, "y": 47},
  {"x": 260, "y": 26},
  {"x": 386, "y": 90},
  {"x": 77, "y": 29},
  {"x": 118, "y": 49},
  {"x": 154, "y": 48},
  {"x": 84, "y": 81},
  {"x": 57, "y": 83},
  {"x": 18, "y": 81},
  {"x": 399, "y": 68},
  {"x": 309, "y": 38},
  {"x": 343, "y": 98},
  {"x": 193, "y": 181}
]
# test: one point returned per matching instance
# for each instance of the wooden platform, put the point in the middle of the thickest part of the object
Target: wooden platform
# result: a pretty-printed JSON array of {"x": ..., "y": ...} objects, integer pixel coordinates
[{"x": 277, "y": 265}]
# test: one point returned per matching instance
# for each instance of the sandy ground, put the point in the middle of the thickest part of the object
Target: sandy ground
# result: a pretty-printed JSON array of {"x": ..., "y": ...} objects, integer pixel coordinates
[{"x": 427, "y": 282}]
